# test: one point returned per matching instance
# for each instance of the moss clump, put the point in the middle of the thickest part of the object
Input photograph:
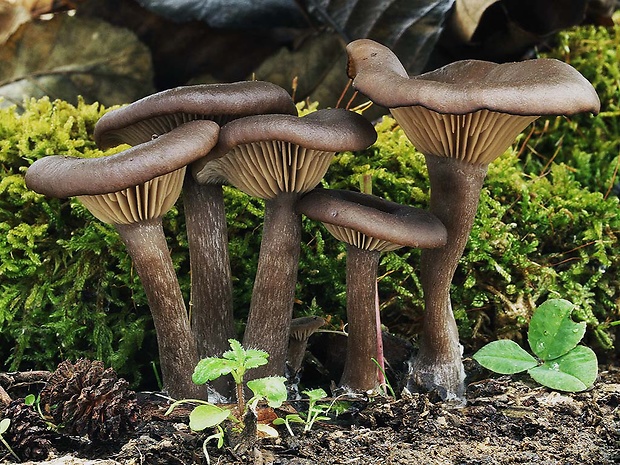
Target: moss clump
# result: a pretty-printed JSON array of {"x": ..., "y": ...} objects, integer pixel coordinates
[{"x": 67, "y": 286}]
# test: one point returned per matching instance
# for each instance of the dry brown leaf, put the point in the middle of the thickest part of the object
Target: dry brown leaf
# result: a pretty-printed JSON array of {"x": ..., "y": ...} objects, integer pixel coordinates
[{"x": 466, "y": 16}]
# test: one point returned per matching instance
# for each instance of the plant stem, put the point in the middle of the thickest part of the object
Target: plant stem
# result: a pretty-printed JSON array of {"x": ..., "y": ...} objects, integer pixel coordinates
[
  {"x": 146, "y": 244},
  {"x": 455, "y": 192},
  {"x": 6, "y": 444},
  {"x": 240, "y": 398}
]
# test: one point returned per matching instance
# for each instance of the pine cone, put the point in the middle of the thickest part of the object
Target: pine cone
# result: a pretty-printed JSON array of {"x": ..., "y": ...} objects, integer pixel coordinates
[
  {"x": 86, "y": 399},
  {"x": 28, "y": 434}
]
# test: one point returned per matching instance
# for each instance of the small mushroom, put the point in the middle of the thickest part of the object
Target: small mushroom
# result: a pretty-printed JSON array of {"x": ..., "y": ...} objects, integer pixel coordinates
[
  {"x": 368, "y": 225},
  {"x": 461, "y": 117},
  {"x": 277, "y": 158},
  {"x": 301, "y": 330},
  {"x": 132, "y": 190},
  {"x": 205, "y": 217}
]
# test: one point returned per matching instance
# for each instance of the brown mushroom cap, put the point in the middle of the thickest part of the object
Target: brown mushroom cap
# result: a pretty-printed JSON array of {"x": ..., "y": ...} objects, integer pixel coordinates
[
  {"x": 303, "y": 327},
  {"x": 385, "y": 225},
  {"x": 267, "y": 154},
  {"x": 61, "y": 176},
  {"x": 159, "y": 113},
  {"x": 530, "y": 88}
]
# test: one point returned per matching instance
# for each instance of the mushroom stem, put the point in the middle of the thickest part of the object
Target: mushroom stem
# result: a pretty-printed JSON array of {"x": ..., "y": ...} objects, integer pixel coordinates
[
  {"x": 273, "y": 295},
  {"x": 360, "y": 372},
  {"x": 455, "y": 191},
  {"x": 146, "y": 244},
  {"x": 211, "y": 288}
]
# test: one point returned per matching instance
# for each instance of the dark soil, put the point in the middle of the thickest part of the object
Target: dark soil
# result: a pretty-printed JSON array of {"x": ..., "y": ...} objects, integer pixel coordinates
[{"x": 507, "y": 420}]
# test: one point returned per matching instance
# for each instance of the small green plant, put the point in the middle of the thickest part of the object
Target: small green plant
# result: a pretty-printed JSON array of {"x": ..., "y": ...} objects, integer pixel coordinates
[
  {"x": 553, "y": 336},
  {"x": 316, "y": 412},
  {"x": 5, "y": 424},
  {"x": 234, "y": 362}
]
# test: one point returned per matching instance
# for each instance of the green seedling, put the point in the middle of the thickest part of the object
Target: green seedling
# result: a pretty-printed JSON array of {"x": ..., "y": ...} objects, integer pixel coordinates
[
  {"x": 5, "y": 424},
  {"x": 316, "y": 412},
  {"x": 234, "y": 362},
  {"x": 385, "y": 387},
  {"x": 553, "y": 337}
]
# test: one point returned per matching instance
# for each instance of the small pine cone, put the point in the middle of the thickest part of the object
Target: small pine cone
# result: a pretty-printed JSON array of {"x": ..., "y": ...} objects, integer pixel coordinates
[
  {"x": 28, "y": 434},
  {"x": 86, "y": 399}
]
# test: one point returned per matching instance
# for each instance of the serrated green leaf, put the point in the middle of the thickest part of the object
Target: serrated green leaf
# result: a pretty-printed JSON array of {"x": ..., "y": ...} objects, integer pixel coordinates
[
  {"x": 211, "y": 368},
  {"x": 575, "y": 371},
  {"x": 505, "y": 357},
  {"x": 236, "y": 352},
  {"x": 271, "y": 388},
  {"x": 255, "y": 358},
  {"x": 207, "y": 416},
  {"x": 552, "y": 332},
  {"x": 315, "y": 394}
]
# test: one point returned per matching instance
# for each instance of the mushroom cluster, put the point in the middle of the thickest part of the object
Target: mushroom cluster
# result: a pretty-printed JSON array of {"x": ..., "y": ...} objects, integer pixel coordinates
[
  {"x": 461, "y": 117},
  {"x": 194, "y": 139}
]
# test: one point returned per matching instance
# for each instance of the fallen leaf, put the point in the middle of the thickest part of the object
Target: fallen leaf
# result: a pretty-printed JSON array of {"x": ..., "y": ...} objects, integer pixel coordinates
[{"x": 69, "y": 56}]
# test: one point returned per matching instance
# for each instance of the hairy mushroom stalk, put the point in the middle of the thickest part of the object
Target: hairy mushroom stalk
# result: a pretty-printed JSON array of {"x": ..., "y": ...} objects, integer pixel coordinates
[
  {"x": 461, "y": 117},
  {"x": 277, "y": 158},
  {"x": 369, "y": 225},
  {"x": 132, "y": 190},
  {"x": 211, "y": 306}
]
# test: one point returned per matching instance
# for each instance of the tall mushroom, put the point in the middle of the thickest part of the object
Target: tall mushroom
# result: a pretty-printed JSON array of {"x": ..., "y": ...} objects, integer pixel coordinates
[
  {"x": 368, "y": 225},
  {"x": 211, "y": 289},
  {"x": 277, "y": 158},
  {"x": 461, "y": 117},
  {"x": 132, "y": 190}
]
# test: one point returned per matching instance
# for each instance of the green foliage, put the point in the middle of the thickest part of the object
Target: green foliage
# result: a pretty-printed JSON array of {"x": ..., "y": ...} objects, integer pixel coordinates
[
  {"x": 553, "y": 337},
  {"x": 316, "y": 412},
  {"x": 67, "y": 286},
  {"x": 235, "y": 362}
]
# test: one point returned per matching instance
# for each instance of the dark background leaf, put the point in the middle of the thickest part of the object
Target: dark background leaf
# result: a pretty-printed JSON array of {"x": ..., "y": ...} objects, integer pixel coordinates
[
  {"x": 68, "y": 56},
  {"x": 230, "y": 13},
  {"x": 410, "y": 28}
]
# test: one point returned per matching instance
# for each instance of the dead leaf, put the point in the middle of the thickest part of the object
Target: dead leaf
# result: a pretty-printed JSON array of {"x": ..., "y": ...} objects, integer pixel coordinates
[
  {"x": 409, "y": 27},
  {"x": 70, "y": 56},
  {"x": 467, "y": 15},
  {"x": 12, "y": 15}
]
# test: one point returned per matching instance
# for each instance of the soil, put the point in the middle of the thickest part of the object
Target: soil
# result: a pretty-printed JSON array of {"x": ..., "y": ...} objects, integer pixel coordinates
[{"x": 507, "y": 420}]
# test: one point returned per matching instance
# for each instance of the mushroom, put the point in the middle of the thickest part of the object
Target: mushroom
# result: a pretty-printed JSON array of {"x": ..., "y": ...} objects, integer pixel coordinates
[
  {"x": 132, "y": 190},
  {"x": 277, "y": 158},
  {"x": 301, "y": 330},
  {"x": 461, "y": 117},
  {"x": 368, "y": 225},
  {"x": 211, "y": 289}
]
